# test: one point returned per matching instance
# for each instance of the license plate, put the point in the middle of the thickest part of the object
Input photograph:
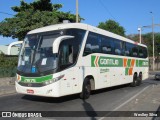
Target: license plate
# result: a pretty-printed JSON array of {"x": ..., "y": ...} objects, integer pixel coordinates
[{"x": 30, "y": 91}]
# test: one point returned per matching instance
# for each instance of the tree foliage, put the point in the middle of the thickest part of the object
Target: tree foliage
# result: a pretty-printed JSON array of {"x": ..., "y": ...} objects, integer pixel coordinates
[
  {"x": 148, "y": 41},
  {"x": 7, "y": 66},
  {"x": 112, "y": 26},
  {"x": 33, "y": 15}
]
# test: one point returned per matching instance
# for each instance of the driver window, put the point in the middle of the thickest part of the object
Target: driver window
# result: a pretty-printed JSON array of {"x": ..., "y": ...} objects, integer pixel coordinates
[{"x": 66, "y": 54}]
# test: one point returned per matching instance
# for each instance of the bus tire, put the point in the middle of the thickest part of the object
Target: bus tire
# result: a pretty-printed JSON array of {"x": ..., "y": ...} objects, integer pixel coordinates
[
  {"x": 139, "y": 79},
  {"x": 86, "y": 89},
  {"x": 134, "y": 83}
]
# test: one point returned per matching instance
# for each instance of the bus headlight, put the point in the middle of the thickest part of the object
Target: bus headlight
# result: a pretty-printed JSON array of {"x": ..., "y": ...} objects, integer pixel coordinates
[
  {"x": 18, "y": 78},
  {"x": 46, "y": 82},
  {"x": 53, "y": 80}
]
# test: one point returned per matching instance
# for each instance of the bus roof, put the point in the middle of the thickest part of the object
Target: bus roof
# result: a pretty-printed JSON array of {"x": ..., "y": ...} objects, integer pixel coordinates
[{"x": 85, "y": 27}]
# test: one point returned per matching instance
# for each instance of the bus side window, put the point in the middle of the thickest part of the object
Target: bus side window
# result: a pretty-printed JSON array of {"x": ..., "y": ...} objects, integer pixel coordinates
[
  {"x": 106, "y": 45},
  {"x": 65, "y": 54},
  {"x": 128, "y": 49},
  {"x": 92, "y": 44},
  {"x": 76, "y": 41},
  {"x": 145, "y": 52},
  {"x": 135, "y": 51},
  {"x": 123, "y": 47},
  {"x": 118, "y": 47},
  {"x": 141, "y": 54},
  {"x": 88, "y": 49}
]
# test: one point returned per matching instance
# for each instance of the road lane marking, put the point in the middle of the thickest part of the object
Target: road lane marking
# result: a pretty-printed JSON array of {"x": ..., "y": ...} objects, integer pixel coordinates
[
  {"x": 125, "y": 102},
  {"x": 131, "y": 98}
]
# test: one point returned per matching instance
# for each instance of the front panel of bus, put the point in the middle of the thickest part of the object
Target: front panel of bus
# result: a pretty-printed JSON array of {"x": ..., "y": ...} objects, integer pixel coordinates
[{"x": 40, "y": 70}]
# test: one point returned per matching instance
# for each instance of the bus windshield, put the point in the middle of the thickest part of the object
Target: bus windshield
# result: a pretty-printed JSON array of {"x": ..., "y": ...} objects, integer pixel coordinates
[{"x": 36, "y": 54}]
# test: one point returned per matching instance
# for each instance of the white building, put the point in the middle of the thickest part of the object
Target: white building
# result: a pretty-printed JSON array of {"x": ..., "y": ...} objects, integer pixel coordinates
[{"x": 14, "y": 50}]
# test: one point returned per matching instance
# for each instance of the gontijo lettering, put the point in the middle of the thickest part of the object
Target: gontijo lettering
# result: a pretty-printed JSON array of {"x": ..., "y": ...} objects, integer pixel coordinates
[
  {"x": 101, "y": 61},
  {"x": 109, "y": 62}
]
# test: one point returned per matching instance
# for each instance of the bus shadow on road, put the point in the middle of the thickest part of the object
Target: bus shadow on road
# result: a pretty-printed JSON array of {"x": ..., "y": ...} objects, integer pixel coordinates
[
  {"x": 157, "y": 112},
  {"x": 110, "y": 89}
]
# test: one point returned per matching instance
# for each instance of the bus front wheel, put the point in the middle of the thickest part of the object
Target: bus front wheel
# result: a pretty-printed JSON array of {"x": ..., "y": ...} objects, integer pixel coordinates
[{"x": 86, "y": 89}]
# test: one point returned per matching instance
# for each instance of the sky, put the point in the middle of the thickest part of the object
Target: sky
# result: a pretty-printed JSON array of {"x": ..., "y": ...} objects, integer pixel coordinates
[{"x": 128, "y": 13}]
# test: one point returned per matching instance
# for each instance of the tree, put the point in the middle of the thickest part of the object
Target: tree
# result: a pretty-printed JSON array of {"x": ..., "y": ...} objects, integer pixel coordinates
[
  {"x": 33, "y": 15},
  {"x": 134, "y": 37},
  {"x": 147, "y": 40},
  {"x": 112, "y": 26}
]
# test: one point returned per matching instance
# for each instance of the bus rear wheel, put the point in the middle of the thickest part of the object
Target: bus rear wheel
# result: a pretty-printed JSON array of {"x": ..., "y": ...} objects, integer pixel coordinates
[
  {"x": 135, "y": 81},
  {"x": 86, "y": 90},
  {"x": 139, "y": 79}
]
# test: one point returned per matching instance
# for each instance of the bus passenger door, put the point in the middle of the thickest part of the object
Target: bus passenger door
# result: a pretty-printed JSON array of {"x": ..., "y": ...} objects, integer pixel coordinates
[
  {"x": 77, "y": 79},
  {"x": 65, "y": 66},
  {"x": 66, "y": 82}
]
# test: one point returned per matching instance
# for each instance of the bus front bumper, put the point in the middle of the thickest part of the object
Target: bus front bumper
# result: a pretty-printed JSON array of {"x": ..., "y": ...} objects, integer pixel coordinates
[{"x": 51, "y": 90}]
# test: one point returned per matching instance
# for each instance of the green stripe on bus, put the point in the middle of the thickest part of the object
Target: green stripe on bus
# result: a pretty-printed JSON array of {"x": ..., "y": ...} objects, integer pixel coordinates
[
  {"x": 126, "y": 71},
  {"x": 115, "y": 62},
  {"x": 143, "y": 63},
  {"x": 129, "y": 62},
  {"x": 36, "y": 79},
  {"x": 92, "y": 61},
  {"x": 137, "y": 63}
]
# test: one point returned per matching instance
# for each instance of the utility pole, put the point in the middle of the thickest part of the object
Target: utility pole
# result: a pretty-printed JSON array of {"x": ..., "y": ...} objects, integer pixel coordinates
[
  {"x": 76, "y": 11},
  {"x": 153, "y": 41},
  {"x": 140, "y": 36},
  {"x": 153, "y": 38}
]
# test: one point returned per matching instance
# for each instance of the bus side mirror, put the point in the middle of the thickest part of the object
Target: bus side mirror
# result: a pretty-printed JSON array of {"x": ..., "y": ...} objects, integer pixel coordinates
[
  {"x": 57, "y": 42},
  {"x": 10, "y": 46}
]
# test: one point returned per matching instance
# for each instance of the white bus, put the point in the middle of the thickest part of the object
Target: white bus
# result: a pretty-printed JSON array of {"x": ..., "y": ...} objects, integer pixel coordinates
[{"x": 72, "y": 58}]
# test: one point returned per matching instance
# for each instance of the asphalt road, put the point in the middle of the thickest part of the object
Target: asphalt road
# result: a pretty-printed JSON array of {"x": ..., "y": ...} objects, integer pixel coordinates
[{"x": 111, "y": 99}]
